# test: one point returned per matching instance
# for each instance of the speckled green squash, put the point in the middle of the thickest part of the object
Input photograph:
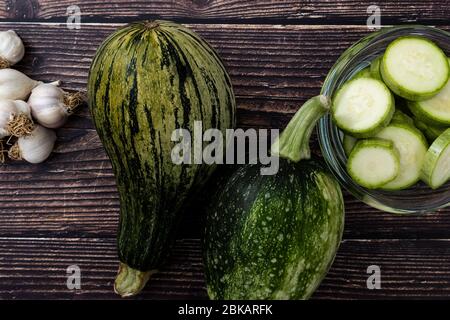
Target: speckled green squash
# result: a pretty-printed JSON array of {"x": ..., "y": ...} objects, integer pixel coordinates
[
  {"x": 273, "y": 237},
  {"x": 147, "y": 80}
]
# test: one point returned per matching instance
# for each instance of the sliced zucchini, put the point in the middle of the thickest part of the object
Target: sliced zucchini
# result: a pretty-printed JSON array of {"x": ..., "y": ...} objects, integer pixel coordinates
[
  {"x": 362, "y": 107},
  {"x": 373, "y": 163},
  {"x": 412, "y": 147},
  {"x": 375, "y": 68},
  {"x": 414, "y": 68},
  {"x": 436, "y": 168},
  {"x": 429, "y": 130},
  {"x": 399, "y": 116},
  {"x": 364, "y": 73},
  {"x": 348, "y": 143},
  {"x": 436, "y": 110}
]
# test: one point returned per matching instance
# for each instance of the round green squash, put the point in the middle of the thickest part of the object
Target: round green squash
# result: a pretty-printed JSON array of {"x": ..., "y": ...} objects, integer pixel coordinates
[
  {"x": 273, "y": 236},
  {"x": 146, "y": 80}
]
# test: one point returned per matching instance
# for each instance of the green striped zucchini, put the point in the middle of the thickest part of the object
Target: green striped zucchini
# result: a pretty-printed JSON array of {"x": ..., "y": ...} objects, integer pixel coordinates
[{"x": 146, "y": 80}]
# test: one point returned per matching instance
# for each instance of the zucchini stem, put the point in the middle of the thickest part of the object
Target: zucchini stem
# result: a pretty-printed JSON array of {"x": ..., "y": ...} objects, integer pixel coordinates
[
  {"x": 129, "y": 282},
  {"x": 293, "y": 142}
]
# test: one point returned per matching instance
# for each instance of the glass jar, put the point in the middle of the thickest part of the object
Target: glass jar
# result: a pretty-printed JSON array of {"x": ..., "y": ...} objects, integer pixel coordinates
[{"x": 417, "y": 199}]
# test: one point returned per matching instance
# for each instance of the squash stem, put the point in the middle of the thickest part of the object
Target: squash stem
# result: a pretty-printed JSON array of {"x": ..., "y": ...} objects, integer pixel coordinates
[
  {"x": 129, "y": 282},
  {"x": 151, "y": 24},
  {"x": 293, "y": 143}
]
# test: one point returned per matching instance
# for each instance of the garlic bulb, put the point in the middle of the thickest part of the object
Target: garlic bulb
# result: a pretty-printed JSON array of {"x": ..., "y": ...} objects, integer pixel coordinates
[
  {"x": 15, "y": 118},
  {"x": 14, "y": 85},
  {"x": 11, "y": 49},
  {"x": 34, "y": 148},
  {"x": 51, "y": 106}
]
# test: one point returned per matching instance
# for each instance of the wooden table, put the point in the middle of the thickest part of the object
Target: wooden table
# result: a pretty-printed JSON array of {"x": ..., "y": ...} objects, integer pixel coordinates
[{"x": 65, "y": 211}]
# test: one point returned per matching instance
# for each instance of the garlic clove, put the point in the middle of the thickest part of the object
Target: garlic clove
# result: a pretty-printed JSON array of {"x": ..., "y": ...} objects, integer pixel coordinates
[
  {"x": 36, "y": 147},
  {"x": 48, "y": 107},
  {"x": 12, "y": 49},
  {"x": 14, "y": 85},
  {"x": 23, "y": 107}
]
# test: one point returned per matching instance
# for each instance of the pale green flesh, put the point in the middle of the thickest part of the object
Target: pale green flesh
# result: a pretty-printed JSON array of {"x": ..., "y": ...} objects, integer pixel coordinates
[
  {"x": 435, "y": 109},
  {"x": 362, "y": 106},
  {"x": 373, "y": 163},
  {"x": 414, "y": 68},
  {"x": 436, "y": 168},
  {"x": 412, "y": 147}
]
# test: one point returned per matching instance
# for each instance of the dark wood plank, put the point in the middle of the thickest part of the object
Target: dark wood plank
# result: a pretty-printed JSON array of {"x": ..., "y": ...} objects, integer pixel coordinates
[
  {"x": 409, "y": 270},
  {"x": 274, "y": 69},
  {"x": 36, "y": 268},
  {"x": 65, "y": 206},
  {"x": 261, "y": 11}
]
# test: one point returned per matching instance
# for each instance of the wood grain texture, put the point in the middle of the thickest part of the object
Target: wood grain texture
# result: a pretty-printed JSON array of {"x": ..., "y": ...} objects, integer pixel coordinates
[
  {"x": 31, "y": 268},
  {"x": 217, "y": 11},
  {"x": 36, "y": 267},
  {"x": 92, "y": 210}
]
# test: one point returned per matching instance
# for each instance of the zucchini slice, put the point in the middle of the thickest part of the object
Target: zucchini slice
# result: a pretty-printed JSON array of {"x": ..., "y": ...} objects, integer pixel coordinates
[
  {"x": 348, "y": 142},
  {"x": 436, "y": 168},
  {"x": 436, "y": 110},
  {"x": 364, "y": 73},
  {"x": 362, "y": 107},
  {"x": 414, "y": 68},
  {"x": 373, "y": 163},
  {"x": 399, "y": 116},
  {"x": 429, "y": 130},
  {"x": 375, "y": 68},
  {"x": 412, "y": 147}
]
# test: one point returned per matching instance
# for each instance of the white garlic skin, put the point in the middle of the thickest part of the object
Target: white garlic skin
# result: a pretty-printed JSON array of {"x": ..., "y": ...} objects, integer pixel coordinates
[
  {"x": 47, "y": 106},
  {"x": 8, "y": 110},
  {"x": 23, "y": 107},
  {"x": 11, "y": 47},
  {"x": 14, "y": 85},
  {"x": 37, "y": 147}
]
